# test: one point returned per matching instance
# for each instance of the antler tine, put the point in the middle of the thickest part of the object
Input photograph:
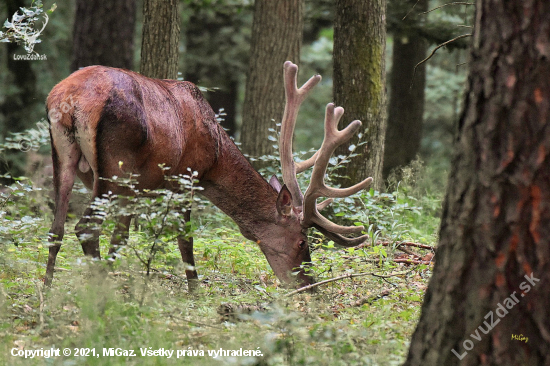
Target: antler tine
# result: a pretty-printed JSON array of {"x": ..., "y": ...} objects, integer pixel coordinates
[
  {"x": 294, "y": 98},
  {"x": 306, "y": 164},
  {"x": 342, "y": 240},
  {"x": 324, "y": 204},
  {"x": 317, "y": 187}
]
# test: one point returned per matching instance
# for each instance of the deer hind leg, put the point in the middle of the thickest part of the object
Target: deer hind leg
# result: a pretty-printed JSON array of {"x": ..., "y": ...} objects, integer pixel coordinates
[
  {"x": 121, "y": 233},
  {"x": 65, "y": 157},
  {"x": 87, "y": 232},
  {"x": 185, "y": 244},
  {"x": 88, "y": 227}
]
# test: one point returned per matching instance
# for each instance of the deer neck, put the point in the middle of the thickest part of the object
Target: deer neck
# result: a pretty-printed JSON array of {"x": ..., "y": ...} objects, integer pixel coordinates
[{"x": 235, "y": 187}]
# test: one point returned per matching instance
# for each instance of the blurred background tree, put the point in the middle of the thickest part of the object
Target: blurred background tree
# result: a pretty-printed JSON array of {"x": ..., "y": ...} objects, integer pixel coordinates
[
  {"x": 276, "y": 37},
  {"x": 216, "y": 55},
  {"x": 97, "y": 24},
  {"x": 360, "y": 85},
  {"x": 406, "y": 102},
  {"x": 160, "y": 41}
]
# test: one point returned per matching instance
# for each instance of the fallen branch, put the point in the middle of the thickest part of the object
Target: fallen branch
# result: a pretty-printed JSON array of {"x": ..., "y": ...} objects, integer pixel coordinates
[
  {"x": 349, "y": 275},
  {"x": 407, "y": 251},
  {"x": 370, "y": 299},
  {"x": 411, "y": 261},
  {"x": 405, "y": 243}
]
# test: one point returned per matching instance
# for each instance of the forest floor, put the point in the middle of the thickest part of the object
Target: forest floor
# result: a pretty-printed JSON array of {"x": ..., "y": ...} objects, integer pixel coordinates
[{"x": 101, "y": 314}]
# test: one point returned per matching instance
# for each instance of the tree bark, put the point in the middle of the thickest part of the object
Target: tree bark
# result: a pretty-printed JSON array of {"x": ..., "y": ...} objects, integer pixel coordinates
[
  {"x": 103, "y": 33},
  {"x": 276, "y": 37},
  {"x": 406, "y": 105},
  {"x": 495, "y": 228},
  {"x": 359, "y": 84},
  {"x": 160, "y": 42}
]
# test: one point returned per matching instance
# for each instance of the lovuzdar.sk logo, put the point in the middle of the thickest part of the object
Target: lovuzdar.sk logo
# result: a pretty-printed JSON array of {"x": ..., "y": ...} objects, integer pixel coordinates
[{"x": 21, "y": 30}]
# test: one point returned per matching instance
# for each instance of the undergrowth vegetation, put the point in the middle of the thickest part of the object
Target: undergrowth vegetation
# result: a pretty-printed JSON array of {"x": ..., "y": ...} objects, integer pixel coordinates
[{"x": 132, "y": 303}]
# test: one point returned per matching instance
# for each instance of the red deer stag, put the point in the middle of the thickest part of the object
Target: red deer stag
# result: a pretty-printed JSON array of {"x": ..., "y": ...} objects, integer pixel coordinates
[{"x": 117, "y": 116}]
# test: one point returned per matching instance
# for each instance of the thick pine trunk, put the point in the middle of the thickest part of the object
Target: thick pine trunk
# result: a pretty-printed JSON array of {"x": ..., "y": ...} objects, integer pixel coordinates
[
  {"x": 160, "y": 42},
  {"x": 103, "y": 33},
  {"x": 276, "y": 37},
  {"x": 406, "y": 104},
  {"x": 359, "y": 83},
  {"x": 495, "y": 228}
]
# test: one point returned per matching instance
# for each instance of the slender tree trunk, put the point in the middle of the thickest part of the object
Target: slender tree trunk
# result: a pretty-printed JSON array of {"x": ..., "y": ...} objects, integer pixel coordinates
[
  {"x": 215, "y": 58},
  {"x": 226, "y": 98},
  {"x": 160, "y": 42},
  {"x": 406, "y": 105},
  {"x": 359, "y": 83},
  {"x": 276, "y": 37},
  {"x": 103, "y": 33},
  {"x": 490, "y": 289}
]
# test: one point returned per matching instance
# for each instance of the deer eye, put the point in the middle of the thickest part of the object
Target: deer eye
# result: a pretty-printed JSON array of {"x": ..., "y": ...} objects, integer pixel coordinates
[{"x": 302, "y": 244}]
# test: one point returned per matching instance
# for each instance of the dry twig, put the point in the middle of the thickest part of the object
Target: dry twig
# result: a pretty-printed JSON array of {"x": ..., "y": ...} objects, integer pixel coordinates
[
  {"x": 348, "y": 275},
  {"x": 435, "y": 50},
  {"x": 370, "y": 299},
  {"x": 410, "y": 11},
  {"x": 411, "y": 261},
  {"x": 404, "y": 243},
  {"x": 440, "y": 6}
]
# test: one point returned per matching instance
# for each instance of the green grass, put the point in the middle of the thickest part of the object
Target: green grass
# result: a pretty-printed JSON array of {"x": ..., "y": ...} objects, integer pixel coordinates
[{"x": 92, "y": 305}]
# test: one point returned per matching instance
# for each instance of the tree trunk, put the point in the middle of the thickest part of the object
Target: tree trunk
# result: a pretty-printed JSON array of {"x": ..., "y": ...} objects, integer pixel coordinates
[
  {"x": 226, "y": 97},
  {"x": 491, "y": 283},
  {"x": 103, "y": 33},
  {"x": 215, "y": 57},
  {"x": 359, "y": 83},
  {"x": 406, "y": 105},
  {"x": 160, "y": 42},
  {"x": 276, "y": 37}
]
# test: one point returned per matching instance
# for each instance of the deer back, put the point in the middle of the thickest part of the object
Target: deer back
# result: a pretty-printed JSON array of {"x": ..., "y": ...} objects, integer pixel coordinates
[{"x": 115, "y": 115}]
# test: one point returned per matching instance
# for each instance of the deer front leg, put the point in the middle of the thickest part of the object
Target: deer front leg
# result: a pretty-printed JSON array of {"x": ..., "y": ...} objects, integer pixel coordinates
[{"x": 185, "y": 244}]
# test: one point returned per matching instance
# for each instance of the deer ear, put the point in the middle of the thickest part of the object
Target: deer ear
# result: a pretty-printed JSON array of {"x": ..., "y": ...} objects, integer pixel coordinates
[
  {"x": 284, "y": 202},
  {"x": 274, "y": 182}
]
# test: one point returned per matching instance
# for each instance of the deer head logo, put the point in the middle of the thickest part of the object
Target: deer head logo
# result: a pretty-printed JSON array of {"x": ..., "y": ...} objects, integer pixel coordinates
[
  {"x": 30, "y": 38},
  {"x": 21, "y": 29}
]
